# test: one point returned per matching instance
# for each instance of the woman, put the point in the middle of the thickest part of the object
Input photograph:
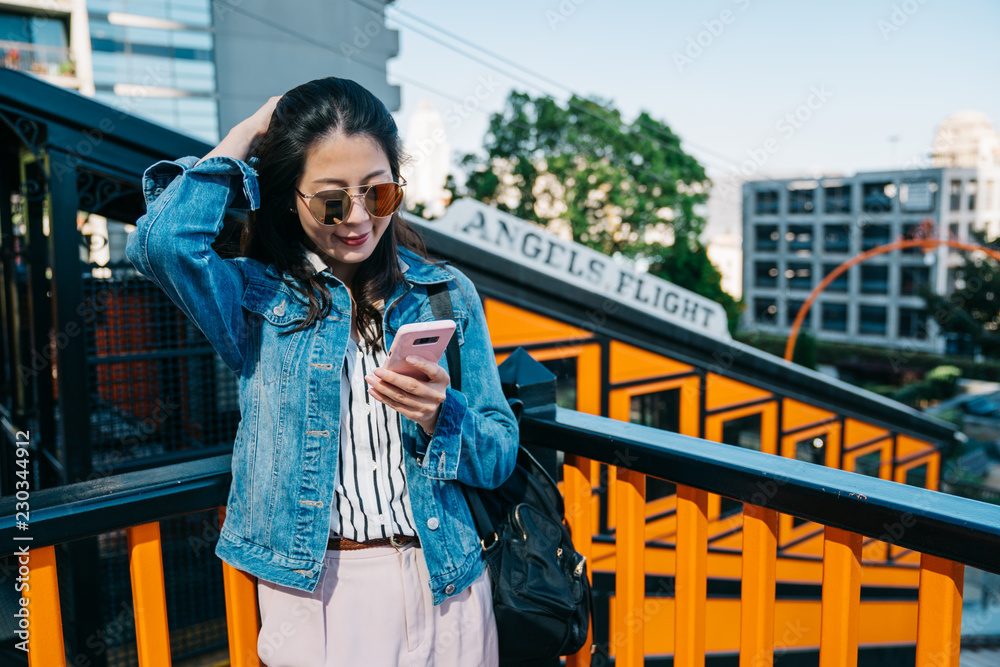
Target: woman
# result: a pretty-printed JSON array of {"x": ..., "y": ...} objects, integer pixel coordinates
[{"x": 345, "y": 500}]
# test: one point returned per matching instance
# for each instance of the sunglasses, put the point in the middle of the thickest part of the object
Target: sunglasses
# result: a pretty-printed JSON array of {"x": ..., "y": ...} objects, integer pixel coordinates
[{"x": 332, "y": 207}]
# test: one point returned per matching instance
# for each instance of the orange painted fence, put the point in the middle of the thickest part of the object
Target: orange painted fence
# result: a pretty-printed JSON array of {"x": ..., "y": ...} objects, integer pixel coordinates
[
  {"x": 949, "y": 531},
  {"x": 822, "y": 492}
]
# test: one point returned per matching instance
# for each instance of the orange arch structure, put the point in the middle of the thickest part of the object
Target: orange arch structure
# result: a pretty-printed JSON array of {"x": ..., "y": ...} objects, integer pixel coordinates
[{"x": 927, "y": 244}]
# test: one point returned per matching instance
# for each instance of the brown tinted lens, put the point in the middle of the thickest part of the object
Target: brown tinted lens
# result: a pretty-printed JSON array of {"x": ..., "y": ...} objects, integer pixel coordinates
[
  {"x": 383, "y": 199},
  {"x": 330, "y": 207}
]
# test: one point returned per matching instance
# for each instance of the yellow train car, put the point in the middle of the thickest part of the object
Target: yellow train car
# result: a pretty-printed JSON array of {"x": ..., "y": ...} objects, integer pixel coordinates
[{"x": 618, "y": 350}]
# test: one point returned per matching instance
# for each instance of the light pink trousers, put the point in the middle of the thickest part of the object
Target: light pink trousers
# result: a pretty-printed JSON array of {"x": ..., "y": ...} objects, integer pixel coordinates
[{"x": 373, "y": 608}]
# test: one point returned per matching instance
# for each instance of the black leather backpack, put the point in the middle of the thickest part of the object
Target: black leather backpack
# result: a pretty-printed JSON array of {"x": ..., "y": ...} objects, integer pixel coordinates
[{"x": 541, "y": 593}]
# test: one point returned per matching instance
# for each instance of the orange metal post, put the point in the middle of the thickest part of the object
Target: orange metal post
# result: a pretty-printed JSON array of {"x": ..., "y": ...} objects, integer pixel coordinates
[
  {"x": 760, "y": 555},
  {"x": 939, "y": 618},
  {"x": 577, "y": 492},
  {"x": 241, "y": 612},
  {"x": 45, "y": 635},
  {"x": 841, "y": 598},
  {"x": 692, "y": 577},
  {"x": 630, "y": 576},
  {"x": 149, "y": 599}
]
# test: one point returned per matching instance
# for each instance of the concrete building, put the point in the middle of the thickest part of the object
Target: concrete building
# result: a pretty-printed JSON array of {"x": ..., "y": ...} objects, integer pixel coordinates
[
  {"x": 725, "y": 253},
  {"x": 429, "y": 161},
  {"x": 196, "y": 65},
  {"x": 796, "y": 231}
]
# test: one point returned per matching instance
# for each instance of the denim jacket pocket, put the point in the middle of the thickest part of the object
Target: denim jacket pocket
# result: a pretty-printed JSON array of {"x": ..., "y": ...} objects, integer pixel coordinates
[
  {"x": 278, "y": 307},
  {"x": 275, "y": 355}
]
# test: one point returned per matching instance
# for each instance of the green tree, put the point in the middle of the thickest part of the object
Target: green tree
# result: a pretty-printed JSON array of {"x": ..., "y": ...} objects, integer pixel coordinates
[
  {"x": 627, "y": 190},
  {"x": 973, "y": 309}
]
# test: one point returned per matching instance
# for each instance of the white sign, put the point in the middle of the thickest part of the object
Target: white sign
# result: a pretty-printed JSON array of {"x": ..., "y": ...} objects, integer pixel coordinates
[{"x": 529, "y": 244}]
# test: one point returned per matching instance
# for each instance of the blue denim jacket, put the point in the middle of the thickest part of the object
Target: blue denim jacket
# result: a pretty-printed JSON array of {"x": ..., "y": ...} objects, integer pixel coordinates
[{"x": 286, "y": 448}]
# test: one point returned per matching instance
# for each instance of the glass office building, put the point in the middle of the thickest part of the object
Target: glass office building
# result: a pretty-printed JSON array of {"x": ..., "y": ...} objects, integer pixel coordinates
[
  {"x": 192, "y": 65},
  {"x": 155, "y": 59}
]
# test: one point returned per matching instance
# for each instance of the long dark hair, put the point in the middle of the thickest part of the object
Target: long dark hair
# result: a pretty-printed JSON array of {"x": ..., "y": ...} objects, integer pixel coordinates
[{"x": 273, "y": 235}]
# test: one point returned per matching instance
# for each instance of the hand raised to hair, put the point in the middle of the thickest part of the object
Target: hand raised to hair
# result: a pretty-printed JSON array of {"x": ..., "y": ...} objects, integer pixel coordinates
[
  {"x": 237, "y": 142},
  {"x": 258, "y": 122}
]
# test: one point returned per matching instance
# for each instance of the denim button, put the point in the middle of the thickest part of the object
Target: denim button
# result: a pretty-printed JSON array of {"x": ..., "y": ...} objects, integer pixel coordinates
[
  {"x": 279, "y": 310},
  {"x": 433, "y": 523},
  {"x": 449, "y": 589}
]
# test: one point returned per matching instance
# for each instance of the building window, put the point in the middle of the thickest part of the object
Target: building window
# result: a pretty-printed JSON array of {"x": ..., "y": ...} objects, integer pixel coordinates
[
  {"x": 871, "y": 320},
  {"x": 988, "y": 199},
  {"x": 917, "y": 196},
  {"x": 912, "y": 323},
  {"x": 972, "y": 188},
  {"x": 877, "y": 197},
  {"x": 875, "y": 279},
  {"x": 912, "y": 279},
  {"x": 766, "y": 238},
  {"x": 955, "y": 196},
  {"x": 838, "y": 199},
  {"x": 917, "y": 230},
  {"x": 917, "y": 476},
  {"x": 767, "y": 202},
  {"x": 765, "y": 311},
  {"x": 835, "y": 316},
  {"x": 741, "y": 432},
  {"x": 839, "y": 283},
  {"x": 660, "y": 409},
  {"x": 954, "y": 232},
  {"x": 765, "y": 274},
  {"x": 869, "y": 464},
  {"x": 799, "y": 276},
  {"x": 799, "y": 237},
  {"x": 801, "y": 201},
  {"x": 566, "y": 373},
  {"x": 873, "y": 236},
  {"x": 38, "y": 30},
  {"x": 812, "y": 450},
  {"x": 836, "y": 238},
  {"x": 792, "y": 308}
]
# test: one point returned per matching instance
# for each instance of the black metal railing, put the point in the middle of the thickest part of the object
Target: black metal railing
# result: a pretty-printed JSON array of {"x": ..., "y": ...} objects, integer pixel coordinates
[{"x": 949, "y": 527}]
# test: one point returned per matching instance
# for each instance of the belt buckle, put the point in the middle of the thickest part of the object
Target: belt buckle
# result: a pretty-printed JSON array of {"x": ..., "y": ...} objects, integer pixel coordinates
[{"x": 394, "y": 542}]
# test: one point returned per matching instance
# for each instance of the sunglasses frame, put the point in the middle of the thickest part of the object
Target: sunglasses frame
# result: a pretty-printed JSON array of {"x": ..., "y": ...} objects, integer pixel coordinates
[{"x": 350, "y": 199}]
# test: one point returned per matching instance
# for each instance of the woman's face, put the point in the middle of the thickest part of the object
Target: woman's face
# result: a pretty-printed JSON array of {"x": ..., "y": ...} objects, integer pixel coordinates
[{"x": 347, "y": 162}]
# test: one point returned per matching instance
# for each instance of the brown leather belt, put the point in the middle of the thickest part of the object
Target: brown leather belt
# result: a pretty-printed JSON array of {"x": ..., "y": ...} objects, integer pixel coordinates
[{"x": 344, "y": 544}]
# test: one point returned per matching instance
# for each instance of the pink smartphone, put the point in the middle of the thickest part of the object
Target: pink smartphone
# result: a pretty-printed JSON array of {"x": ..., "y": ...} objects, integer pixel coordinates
[{"x": 423, "y": 339}]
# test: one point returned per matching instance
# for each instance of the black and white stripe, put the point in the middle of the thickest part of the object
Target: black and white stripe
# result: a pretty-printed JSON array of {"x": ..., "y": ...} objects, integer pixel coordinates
[{"x": 371, "y": 495}]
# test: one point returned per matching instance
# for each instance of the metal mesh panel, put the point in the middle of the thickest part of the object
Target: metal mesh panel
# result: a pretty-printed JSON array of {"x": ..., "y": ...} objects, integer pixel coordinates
[
  {"x": 156, "y": 385},
  {"x": 196, "y": 605},
  {"x": 192, "y": 574},
  {"x": 116, "y": 636}
]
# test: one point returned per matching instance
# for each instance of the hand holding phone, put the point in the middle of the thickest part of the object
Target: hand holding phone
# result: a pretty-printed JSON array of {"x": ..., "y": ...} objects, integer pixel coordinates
[{"x": 424, "y": 339}]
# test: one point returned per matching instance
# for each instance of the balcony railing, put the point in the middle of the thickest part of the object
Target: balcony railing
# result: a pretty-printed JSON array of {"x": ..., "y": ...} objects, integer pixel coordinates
[
  {"x": 948, "y": 531},
  {"x": 37, "y": 58}
]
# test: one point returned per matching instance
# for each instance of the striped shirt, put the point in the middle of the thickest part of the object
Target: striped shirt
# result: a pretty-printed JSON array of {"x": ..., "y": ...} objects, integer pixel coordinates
[{"x": 371, "y": 497}]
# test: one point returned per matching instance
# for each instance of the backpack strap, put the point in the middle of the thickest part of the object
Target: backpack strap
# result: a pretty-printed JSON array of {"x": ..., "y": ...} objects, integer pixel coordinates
[{"x": 441, "y": 306}]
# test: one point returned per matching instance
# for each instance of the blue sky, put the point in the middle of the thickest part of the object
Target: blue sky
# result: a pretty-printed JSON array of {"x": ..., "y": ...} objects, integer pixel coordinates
[{"x": 881, "y": 69}]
